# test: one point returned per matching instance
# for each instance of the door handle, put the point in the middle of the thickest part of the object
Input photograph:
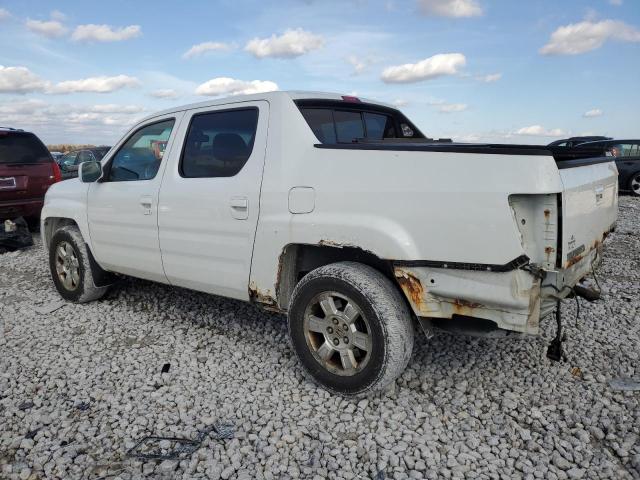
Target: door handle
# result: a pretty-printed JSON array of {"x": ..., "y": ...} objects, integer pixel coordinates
[
  {"x": 146, "y": 202},
  {"x": 239, "y": 207}
]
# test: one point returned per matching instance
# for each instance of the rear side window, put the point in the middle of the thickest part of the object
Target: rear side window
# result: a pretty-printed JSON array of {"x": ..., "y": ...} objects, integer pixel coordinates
[
  {"x": 22, "y": 147},
  {"x": 379, "y": 126},
  {"x": 218, "y": 144},
  {"x": 338, "y": 123}
]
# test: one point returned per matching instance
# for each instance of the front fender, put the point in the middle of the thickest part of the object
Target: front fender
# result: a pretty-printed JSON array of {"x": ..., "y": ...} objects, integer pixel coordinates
[{"x": 65, "y": 200}]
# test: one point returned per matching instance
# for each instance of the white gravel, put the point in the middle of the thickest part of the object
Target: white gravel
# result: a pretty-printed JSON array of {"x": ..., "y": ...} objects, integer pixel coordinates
[{"x": 81, "y": 383}]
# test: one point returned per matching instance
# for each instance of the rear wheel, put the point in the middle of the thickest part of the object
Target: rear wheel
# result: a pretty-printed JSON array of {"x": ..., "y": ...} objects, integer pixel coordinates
[
  {"x": 350, "y": 328},
  {"x": 634, "y": 184},
  {"x": 70, "y": 266}
]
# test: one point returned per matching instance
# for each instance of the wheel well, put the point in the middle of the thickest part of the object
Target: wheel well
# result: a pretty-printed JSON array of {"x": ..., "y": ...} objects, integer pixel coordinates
[
  {"x": 51, "y": 224},
  {"x": 297, "y": 260}
]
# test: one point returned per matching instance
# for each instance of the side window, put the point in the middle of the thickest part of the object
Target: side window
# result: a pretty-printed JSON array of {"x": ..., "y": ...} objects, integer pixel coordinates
[
  {"x": 348, "y": 126},
  {"x": 84, "y": 156},
  {"x": 68, "y": 159},
  {"x": 139, "y": 158},
  {"x": 218, "y": 144},
  {"x": 379, "y": 126},
  {"x": 321, "y": 122}
]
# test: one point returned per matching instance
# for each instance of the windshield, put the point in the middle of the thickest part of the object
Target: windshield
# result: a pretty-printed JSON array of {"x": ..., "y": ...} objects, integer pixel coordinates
[{"x": 22, "y": 147}]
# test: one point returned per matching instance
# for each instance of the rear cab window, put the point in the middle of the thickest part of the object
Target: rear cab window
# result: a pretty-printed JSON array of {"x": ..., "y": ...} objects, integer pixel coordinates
[
  {"x": 22, "y": 148},
  {"x": 334, "y": 122}
]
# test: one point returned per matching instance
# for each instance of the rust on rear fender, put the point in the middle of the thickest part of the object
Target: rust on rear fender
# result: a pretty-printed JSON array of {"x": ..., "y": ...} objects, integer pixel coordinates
[{"x": 411, "y": 286}]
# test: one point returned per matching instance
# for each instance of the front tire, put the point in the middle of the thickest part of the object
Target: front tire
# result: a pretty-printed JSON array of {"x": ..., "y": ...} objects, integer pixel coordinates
[
  {"x": 634, "y": 184},
  {"x": 350, "y": 328},
  {"x": 70, "y": 267}
]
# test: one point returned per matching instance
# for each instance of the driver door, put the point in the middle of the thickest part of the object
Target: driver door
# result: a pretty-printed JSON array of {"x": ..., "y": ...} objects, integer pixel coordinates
[{"x": 122, "y": 205}]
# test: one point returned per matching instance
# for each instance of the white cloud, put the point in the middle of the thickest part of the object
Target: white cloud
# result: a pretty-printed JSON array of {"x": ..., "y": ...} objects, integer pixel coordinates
[
  {"x": 105, "y": 33},
  {"x": 617, "y": 3},
  {"x": 490, "y": 78},
  {"x": 230, "y": 86},
  {"x": 50, "y": 28},
  {"x": 292, "y": 43},
  {"x": 114, "y": 108},
  {"x": 359, "y": 64},
  {"x": 58, "y": 15},
  {"x": 164, "y": 93},
  {"x": 452, "y": 107},
  {"x": 205, "y": 47},
  {"x": 577, "y": 38},
  {"x": 20, "y": 80},
  {"x": 432, "y": 67},
  {"x": 26, "y": 107},
  {"x": 450, "y": 8},
  {"x": 596, "y": 112},
  {"x": 70, "y": 123},
  {"x": 4, "y": 14},
  {"x": 540, "y": 131},
  {"x": 95, "y": 84},
  {"x": 400, "y": 102}
]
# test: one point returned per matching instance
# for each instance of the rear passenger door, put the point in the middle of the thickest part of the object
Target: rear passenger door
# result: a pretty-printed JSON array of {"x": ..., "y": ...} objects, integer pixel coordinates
[{"x": 209, "y": 199}]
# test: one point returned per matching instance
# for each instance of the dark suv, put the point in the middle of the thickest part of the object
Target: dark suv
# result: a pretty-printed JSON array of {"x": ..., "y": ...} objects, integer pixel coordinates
[
  {"x": 27, "y": 170},
  {"x": 627, "y": 154},
  {"x": 70, "y": 161}
]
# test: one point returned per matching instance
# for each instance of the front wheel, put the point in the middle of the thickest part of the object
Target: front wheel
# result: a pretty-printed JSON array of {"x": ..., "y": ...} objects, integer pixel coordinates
[
  {"x": 70, "y": 266},
  {"x": 634, "y": 184},
  {"x": 350, "y": 328}
]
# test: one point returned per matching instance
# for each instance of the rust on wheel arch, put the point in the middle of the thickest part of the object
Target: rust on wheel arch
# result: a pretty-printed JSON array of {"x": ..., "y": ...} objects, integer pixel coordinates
[{"x": 411, "y": 286}]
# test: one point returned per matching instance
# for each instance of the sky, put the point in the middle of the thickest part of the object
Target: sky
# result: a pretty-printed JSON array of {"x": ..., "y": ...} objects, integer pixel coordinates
[{"x": 78, "y": 71}]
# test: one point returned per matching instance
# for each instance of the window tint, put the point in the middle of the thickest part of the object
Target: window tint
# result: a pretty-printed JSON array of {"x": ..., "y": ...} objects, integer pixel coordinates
[
  {"x": 348, "y": 126},
  {"x": 85, "y": 156},
  {"x": 337, "y": 122},
  {"x": 321, "y": 122},
  {"x": 21, "y": 147},
  {"x": 379, "y": 126},
  {"x": 68, "y": 159},
  {"x": 139, "y": 158},
  {"x": 99, "y": 154},
  {"x": 218, "y": 144}
]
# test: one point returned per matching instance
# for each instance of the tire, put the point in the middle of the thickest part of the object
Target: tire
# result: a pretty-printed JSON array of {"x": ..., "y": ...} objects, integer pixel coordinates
[
  {"x": 78, "y": 287},
  {"x": 634, "y": 184},
  {"x": 378, "y": 320}
]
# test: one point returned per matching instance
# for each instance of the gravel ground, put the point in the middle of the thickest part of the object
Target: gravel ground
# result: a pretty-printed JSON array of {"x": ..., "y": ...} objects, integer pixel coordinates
[{"x": 80, "y": 385}]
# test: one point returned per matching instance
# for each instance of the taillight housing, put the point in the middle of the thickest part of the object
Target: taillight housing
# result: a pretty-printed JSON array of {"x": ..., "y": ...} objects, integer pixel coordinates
[{"x": 57, "y": 174}]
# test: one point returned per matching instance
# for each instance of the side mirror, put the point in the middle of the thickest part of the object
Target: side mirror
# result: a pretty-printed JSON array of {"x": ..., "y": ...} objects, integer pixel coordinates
[{"x": 90, "y": 171}]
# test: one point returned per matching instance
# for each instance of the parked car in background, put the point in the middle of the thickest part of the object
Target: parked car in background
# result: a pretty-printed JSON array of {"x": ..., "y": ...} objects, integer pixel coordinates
[
  {"x": 56, "y": 155},
  {"x": 627, "y": 155},
  {"x": 573, "y": 141},
  {"x": 344, "y": 216},
  {"x": 27, "y": 170},
  {"x": 70, "y": 161}
]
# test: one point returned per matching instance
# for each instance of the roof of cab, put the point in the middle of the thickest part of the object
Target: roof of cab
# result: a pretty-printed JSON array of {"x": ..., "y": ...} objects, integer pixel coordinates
[{"x": 292, "y": 94}]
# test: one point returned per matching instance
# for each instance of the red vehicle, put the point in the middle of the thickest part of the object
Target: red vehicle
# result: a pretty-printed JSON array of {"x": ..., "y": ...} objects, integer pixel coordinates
[{"x": 27, "y": 170}]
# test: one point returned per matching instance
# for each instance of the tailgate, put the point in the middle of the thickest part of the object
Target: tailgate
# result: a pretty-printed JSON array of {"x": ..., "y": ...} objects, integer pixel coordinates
[
  {"x": 589, "y": 207},
  {"x": 29, "y": 180}
]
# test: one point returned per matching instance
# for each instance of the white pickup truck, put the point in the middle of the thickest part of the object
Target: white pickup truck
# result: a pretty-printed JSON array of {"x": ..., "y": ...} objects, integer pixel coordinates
[{"x": 339, "y": 212}]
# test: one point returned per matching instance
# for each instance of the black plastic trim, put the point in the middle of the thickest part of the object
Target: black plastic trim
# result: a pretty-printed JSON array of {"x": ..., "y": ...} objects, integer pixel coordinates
[
  {"x": 101, "y": 277},
  {"x": 583, "y": 162},
  {"x": 442, "y": 147},
  {"x": 514, "y": 264}
]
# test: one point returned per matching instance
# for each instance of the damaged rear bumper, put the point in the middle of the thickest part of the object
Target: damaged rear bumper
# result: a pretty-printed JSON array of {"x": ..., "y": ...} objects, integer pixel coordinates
[{"x": 514, "y": 300}]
